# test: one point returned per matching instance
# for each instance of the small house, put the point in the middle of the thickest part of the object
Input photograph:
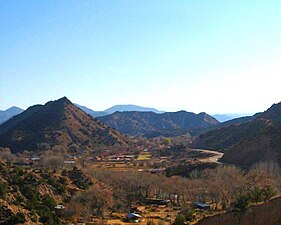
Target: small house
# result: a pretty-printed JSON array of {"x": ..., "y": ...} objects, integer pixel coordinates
[
  {"x": 59, "y": 207},
  {"x": 133, "y": 217},
  {"x": 201, "y": 205}
]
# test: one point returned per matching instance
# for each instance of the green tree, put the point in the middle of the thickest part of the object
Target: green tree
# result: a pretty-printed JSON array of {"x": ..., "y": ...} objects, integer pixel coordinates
[
  {"x": 180, "y": 219},
  {"x": 166, "y": 141},
  {"x": 3, "y": 189},
  {"x": 242, "y": 202},
  {"x": 17, "y": 218},
  {"x": 48, "y": 201},
  {"x": 268, "y": 193}
]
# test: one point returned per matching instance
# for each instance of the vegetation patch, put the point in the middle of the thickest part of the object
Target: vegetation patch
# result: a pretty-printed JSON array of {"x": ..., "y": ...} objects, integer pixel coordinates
[{"x": 144, "y": 157}]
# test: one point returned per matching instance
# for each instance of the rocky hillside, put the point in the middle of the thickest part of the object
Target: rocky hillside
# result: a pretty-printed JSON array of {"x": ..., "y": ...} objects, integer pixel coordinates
[
  {"x": 30, "y": 196},
  {"x": 149, "y": 123},
  {"x": 248, "y": 142},
  {"x": 223, "y": 137},
  {"x": 57, "y": 123},
  {"x": 265, "y": 146},
  {"x": 231, "y": 132}
]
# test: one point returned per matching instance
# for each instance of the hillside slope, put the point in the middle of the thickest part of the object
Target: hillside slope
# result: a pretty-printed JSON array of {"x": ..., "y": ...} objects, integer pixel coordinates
[
  {"x": 265, "y": 146},
  {"x": 225, "y": 134},
  {"x": 148, "y": 123},
  {"x": 222, "y": 138},
  {"x": 266, "y": 213},
  {"x": 57, "y": 123},
  {"x": 29, "y": 196},
  {"x": 246, "y": 143}
]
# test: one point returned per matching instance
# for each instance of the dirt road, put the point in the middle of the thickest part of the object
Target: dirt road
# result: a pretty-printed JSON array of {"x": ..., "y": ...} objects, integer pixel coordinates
[{"x": 214, "y": 158}]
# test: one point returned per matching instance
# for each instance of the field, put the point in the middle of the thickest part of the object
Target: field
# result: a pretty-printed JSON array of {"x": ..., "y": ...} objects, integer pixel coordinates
[
  {"x": 157, "y": 214},
  {"x": 144, "y": 156}
]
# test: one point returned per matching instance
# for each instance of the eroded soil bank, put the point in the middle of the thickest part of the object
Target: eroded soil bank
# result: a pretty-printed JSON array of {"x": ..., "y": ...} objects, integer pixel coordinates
[{"x": 268, "y": 213}]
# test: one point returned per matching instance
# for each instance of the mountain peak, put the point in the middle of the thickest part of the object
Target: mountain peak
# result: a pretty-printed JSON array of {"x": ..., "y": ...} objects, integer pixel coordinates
[
  {"x": 64, "y": 100},
  {"x": 14, "y": 108},
  {"x": 273, "y": 113},
  {"x": 57, "y": 123},
  {"x": 9, "y": 113},
  {"x": 149, "y": 123}
]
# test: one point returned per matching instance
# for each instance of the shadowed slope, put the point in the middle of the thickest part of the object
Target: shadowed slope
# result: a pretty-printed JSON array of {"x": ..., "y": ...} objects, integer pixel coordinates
[{"x": 56, "y": 123}]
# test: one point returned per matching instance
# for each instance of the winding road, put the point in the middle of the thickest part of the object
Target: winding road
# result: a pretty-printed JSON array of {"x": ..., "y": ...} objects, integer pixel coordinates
[{"x": 215, "y": 158}]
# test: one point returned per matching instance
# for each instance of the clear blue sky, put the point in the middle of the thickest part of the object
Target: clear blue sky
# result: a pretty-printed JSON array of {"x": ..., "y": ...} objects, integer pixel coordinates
[{"x": 215, "y": 56}]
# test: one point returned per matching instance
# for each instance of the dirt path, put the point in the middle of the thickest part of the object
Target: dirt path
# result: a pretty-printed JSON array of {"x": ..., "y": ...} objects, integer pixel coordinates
[{"x": 214, "y": 158}]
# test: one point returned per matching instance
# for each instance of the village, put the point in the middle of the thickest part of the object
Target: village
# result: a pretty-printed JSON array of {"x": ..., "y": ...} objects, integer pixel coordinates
[
  {"x": 149, "y": 184},
  {"x": 154, "y": 208}
]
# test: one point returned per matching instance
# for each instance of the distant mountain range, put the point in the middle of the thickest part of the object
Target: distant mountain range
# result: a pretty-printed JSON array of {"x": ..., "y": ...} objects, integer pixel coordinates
[
  {"x": 130, "y": 108},
  {"x": 9, "y": 113},
  {"x": 62, "y": 125},
  {"x": 151, "y": 124},
  {"x": 56, "y": 125},
  {"x": 92, "y": 112},
  {"x": 118, "y": 108},
  {"x": 247, "y": 140},
  {"x": 226, "y": 117},
  {"x": 13, "y": 111}
]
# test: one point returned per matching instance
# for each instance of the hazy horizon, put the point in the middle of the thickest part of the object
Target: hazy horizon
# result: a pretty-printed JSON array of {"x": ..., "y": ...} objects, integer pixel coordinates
[
  {"x": 227, "y": 113},
  {"x": 218, "y": 57}
]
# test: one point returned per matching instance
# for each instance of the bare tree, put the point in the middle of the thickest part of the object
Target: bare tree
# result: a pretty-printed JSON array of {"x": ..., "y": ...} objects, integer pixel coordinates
[
  {"x": 6, "y": 155},
  {"x": 52, "y": 162}
]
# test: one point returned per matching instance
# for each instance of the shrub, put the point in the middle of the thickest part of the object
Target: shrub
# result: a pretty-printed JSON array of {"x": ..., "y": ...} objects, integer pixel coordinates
[
  {"x": 48, "y": 201},
  {"x": 47, "y": 216},
  {"x": 55, "y": 184},
  {"x": 3, "y": 189},
  {"x": 33, "y": 216},
  {"x": 63, "y": 180},
  {"x": 268, "y": 193},
  {"x": 17, "y": 218},
  {"x": 242, "y": 202},
  {"x": 18, "y": 200},
  {"x": 255, "y": 195},
  {"x": 188, "y": 213},
  {"x": 180, "y": 219}
]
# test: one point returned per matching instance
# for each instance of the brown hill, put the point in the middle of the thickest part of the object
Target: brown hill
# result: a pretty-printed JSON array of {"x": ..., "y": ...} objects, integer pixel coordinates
[
  {"x": 266, "y": 146},
  {"x": 248, "y": 142},
  {"x": 152, "y": 124},
  {"x": 57, "y": 123},
  {"x": 29, "y": 196},
  {"x": 222, "y": 136},
  {"x": 260, "y": 214}
]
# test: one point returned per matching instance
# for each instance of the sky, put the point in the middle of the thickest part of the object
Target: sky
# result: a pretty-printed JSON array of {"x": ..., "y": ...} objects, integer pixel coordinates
[{"x": 211, "y": 56}]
